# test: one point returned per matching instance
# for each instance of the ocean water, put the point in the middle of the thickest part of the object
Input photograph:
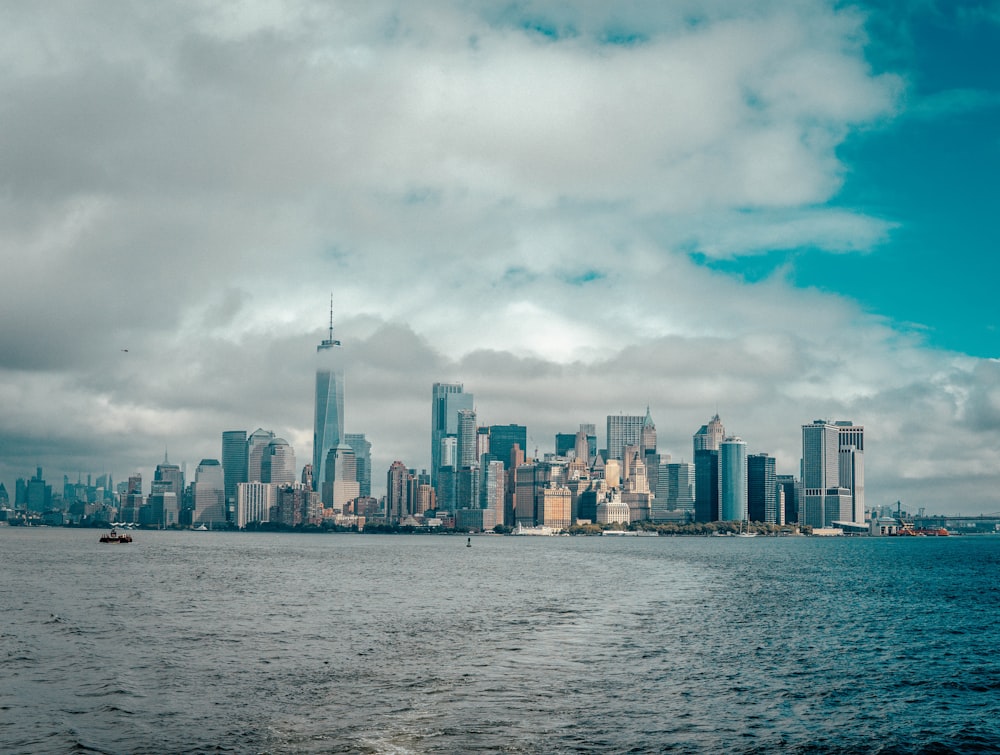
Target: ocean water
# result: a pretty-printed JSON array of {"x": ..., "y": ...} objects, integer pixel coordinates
[{"x": 188, "y": 642}]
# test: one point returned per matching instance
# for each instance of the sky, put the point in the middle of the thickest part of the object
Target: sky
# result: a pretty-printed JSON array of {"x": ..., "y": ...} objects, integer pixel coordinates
[{"x": 779, "y": 211}]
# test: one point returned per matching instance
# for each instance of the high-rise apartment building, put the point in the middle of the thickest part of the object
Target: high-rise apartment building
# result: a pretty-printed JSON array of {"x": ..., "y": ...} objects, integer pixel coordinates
[
  {"x": 468, "y": 433},
  {"x": 296, "y": 504},
  {"x": 328, "y": 426},
  {"x": 397, "y": 504},
  {"x": 524, "y": 494},
  {"x": 467, "y": 487},
  {"x": 492, "y": 488},
  {"x": 253, "y": 502}
]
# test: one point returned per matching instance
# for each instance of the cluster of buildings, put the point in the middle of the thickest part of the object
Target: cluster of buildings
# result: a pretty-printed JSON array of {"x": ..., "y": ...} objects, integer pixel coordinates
[
  {"x": 480, "y": 476},
  {"x": 483, "y": 476}
]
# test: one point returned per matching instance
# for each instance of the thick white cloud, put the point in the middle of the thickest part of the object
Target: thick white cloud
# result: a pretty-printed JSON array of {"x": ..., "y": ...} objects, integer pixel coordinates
[{"x": 503, "y": 198}]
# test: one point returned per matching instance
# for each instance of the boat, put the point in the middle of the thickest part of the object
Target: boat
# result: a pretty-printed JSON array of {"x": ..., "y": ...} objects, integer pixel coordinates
[
  {"x": 748, "y": 533},
  {"x": 543, "y": 531},
  {"x": 116, "y": 537}
]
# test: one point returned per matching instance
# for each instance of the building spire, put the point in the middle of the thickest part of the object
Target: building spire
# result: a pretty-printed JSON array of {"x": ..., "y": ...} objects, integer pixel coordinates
[{"x": 330, "y": 341}]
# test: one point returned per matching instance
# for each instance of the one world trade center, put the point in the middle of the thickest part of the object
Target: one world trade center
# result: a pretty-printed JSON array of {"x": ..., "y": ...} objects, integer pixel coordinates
[{"x": 328, "y": 430}]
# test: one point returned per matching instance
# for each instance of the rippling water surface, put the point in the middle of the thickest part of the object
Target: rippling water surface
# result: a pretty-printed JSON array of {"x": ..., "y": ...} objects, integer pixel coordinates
[{"x": 288, "y": 643}]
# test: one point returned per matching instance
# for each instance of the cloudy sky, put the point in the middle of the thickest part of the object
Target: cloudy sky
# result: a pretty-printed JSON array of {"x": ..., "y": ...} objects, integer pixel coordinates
[{"x": 780, "y": 211}]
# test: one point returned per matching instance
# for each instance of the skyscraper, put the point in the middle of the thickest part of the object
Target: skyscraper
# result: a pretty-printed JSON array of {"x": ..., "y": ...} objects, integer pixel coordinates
[
  {"x": 397, "y": 504},
  {"x": 647, "y": 434},
  {"x": 733, "y": 472},
  {"x": 341, "y": 485},
  {"x": 710, "y": 436},
  {"x": 503, "y": 438},
  {"x": 209, "y": 492},
  {"x": 624, "y": 430},
  {"x": 679, "y": 485},
  {"x": 234, "y": 465},
  {"x": 278, "y": 464},
  {"x": 446, "y": 401},
  {"x": 788, "y": 487},
  {"x": 706, "y": 485},
  {"x": 253, "y": 502},
  {"x": 167, "y": 478},
  {"x": 362, "y": 460},
  {"x": 851, "y": 439},
  {"x": 762, "y": 489},
  {"x": 492, "y": 488},
  {"x": 824, "y": 499},
  {"x": 467, "y": 438},
  {"x": 257, "y": 445},
  {"x": 328, "y": 428}
]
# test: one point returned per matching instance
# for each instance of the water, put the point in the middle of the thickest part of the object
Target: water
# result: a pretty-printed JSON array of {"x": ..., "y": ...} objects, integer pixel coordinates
[{"x": 288, "y": 643}]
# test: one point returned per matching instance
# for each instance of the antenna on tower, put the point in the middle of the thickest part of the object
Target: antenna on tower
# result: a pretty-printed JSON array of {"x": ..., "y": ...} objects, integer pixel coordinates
[
  {"x": 331, "y": 316},
  {"x": 330, "y": 340}
]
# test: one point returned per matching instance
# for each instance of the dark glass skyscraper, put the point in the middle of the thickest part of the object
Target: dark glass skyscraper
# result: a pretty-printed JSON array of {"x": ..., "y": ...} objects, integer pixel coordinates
[
  {"x": 234, "y": 465},
  {"x": 503, "y": 438},
  {"x": 706, "y": 485},
  {"x": 762, "y": 489}
]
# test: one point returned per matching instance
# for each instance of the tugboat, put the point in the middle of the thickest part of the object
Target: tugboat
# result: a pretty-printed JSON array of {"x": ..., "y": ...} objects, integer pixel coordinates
[{"x": 116, "y": 537}]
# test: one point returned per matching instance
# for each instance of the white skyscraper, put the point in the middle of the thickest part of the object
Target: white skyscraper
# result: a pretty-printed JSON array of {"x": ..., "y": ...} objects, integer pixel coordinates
[{"x": 253, "y": 502}]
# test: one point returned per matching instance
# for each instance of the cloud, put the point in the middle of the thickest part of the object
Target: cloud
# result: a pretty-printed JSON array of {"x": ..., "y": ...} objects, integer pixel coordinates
[{"x": 503, "y": 197}]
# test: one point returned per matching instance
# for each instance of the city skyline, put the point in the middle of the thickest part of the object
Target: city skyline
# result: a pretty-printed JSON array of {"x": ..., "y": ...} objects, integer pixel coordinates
[{"x": 776, "y": 213}]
